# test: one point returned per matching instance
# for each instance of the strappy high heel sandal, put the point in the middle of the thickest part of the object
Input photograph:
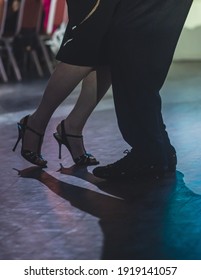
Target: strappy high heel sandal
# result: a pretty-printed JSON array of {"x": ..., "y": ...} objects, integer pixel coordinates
[
  {"x": 83, "y": 160},
  {"x": 33, "y": 157}
]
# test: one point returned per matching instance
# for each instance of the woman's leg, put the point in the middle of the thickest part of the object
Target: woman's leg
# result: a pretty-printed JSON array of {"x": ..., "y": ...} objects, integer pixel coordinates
[
  {"x": 65, "y": 78},
  {"x": 94, "y": 87}
]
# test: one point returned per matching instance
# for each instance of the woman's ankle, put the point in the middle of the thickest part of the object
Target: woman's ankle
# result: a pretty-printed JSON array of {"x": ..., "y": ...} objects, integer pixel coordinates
[
  {"x": 72, "y": 128},
  {"x": 36, "y": 124}
]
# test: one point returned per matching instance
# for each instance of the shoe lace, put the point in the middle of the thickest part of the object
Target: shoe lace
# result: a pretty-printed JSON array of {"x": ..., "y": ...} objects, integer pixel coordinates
[
  {"x": 123, "y": 161},
  {"x": 127, "y": 151}
]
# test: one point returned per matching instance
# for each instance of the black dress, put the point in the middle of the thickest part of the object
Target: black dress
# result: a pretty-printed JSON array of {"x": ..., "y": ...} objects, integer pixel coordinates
[{"x": 85, "y": 39}]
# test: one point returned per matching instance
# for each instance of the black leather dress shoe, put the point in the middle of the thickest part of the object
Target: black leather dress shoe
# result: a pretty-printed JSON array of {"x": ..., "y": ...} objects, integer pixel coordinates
[{"x": 130, "y": 168}]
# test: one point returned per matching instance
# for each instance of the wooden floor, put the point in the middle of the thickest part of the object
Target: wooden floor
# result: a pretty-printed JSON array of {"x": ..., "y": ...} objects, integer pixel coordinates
[{"x": 67, "y": 213}]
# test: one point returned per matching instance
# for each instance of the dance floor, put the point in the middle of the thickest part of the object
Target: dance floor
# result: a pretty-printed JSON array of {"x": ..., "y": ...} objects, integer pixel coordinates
[{"x": 65, "y": 213}]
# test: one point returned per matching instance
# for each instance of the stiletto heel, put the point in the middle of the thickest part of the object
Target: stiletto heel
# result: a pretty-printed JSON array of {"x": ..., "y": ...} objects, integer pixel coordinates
[
  {"x": 56, "y": 136},
  {"x": 18, "y": 139},
  {"x": 83, "y": 160},
  {"x": 33, "y": 157}
]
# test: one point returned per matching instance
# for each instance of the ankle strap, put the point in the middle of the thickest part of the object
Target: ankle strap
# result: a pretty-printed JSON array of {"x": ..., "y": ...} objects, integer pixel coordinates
[
  {"x": 23, "y": 124},
  {"x": 31, "y": 129},
  {"x": 64, "y": 134}
]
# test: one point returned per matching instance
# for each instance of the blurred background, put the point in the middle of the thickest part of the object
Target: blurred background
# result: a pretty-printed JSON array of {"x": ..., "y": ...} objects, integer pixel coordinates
[
  {"x": 30, "y": 34},
  {"x": 188, "y": 47}
]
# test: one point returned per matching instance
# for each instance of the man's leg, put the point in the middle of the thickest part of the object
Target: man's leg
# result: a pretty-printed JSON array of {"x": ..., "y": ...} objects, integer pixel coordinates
[{"x": 143, "y": 39}]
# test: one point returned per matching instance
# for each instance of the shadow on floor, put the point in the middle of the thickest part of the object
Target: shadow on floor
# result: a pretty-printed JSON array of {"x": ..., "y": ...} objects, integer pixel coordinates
[{"x": 139, "y": 220}]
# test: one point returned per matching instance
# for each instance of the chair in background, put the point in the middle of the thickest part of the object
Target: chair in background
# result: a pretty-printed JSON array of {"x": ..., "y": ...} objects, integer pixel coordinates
[
  {"x": 25, "y": 42},
  {"x": 28, "y": 28},
  {"x": 57, "y": 15},
  {"x": 23, "y": 39},
  {"x": 7, "y": 39},
  {"x": 3, "y": 11}
]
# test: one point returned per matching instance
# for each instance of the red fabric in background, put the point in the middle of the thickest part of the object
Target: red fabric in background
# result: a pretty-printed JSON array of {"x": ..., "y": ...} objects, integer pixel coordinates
[{"x": 46, "y": 7}]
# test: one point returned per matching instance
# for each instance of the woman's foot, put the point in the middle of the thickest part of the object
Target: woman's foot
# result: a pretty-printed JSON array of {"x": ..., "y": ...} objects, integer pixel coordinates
[
  {"x": 73, "y": 140},
  {"x": 31, "y": 142},
  {"x": 32, "y": 134}
]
